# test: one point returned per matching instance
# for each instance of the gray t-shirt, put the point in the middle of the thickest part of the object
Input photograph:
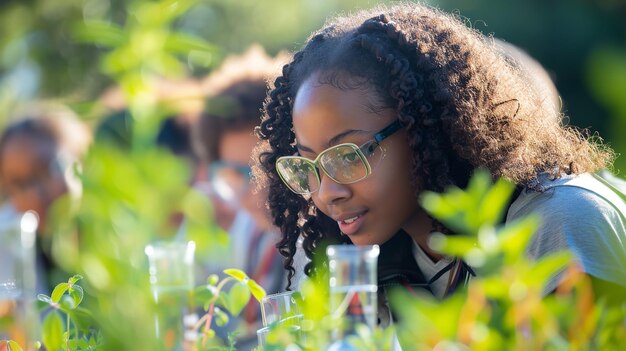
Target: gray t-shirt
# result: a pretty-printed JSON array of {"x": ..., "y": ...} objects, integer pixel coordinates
[{"x": 582, "y": 214}]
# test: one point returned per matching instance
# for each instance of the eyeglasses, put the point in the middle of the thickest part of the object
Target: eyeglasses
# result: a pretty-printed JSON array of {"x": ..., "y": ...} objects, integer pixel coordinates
[
  {"x": 229, "y": 180},
  {"x": 345, "y": 163}
]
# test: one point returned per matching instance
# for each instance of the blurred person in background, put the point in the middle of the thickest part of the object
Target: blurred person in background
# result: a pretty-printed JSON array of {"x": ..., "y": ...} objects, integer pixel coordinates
[
  {"x": 39, "y": 155},
  {"x": 182, "y": 102},
  {"x": 225, "y": 137},
  {"x": 174, "y": 135}
]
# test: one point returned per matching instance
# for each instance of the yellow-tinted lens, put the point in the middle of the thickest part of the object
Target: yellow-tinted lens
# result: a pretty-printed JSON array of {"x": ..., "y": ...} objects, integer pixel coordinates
[
  {"x": 298, "y": 174},
  {"x": 344, "y": 164}
]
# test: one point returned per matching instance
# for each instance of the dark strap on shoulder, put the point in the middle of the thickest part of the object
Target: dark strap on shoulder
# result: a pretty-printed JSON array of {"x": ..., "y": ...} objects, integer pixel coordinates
[{"x": 397, "y": 266}]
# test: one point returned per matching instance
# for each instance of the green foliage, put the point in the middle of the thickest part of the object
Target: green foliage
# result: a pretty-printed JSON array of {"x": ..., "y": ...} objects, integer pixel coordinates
[
  {"x": 65, "y": 299},
  {"x": 606, "y": 76},
  {"x": 467, "y": 211},
  {"x": 505, "y": 307},
  {"x": 130, "y": 196},
  {"x": 255, "y": 288},
  {"x": 216, "y": 299},
  {"x": 53, "y": 331}
]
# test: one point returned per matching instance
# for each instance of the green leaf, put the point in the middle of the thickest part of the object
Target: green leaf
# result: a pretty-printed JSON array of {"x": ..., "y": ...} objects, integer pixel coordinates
[
  {"x": 495, "y": 287},
  {"x": 83, "y": 344},
  {"x": 205, "y": 291},
  {"x": 547, "y": 267},
  {"x": 76, "y": 293},
  {"x": 82, "y": 318},
  {"x": 495, "y": 201},
  {"x": 151, "y": 13},
  {"x": 44, "y": 298},
  {"x": 183, "y": 43},
  {"x": 515, "y": 236},
  {"x": 479, "y": 183},
  {"x": 58, "y": 292},
  {"x": 203, "y": 295},
  {"x": 72, "y": 344},
  {"x": 238, "y": 297},
  {"x": 237, "y": 274},
  {"x": 67, "y": 304},
  {"x": 257, "y": 291},
  {"x": 74, "y": 279},
  {"x": 456, "y": 246},
  {"x": 53, "y": 331},
  {"x": 99, "y": 32},
  {"x": 444, "y": 208}
]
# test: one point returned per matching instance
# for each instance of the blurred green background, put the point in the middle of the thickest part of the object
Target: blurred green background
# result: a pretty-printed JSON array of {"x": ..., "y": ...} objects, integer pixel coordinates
[
  {"x": 73, "y": 50},
  {"x": 582, "y": 43}
]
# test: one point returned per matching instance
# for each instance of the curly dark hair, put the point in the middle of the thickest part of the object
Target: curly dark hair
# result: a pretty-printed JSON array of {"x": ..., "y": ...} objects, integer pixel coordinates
[{"x": 463, "y": 105}]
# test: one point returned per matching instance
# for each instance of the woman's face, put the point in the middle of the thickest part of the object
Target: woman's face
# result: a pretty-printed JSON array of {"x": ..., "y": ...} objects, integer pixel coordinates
[
  {"x": 28, "y": 176},
  {"x": 378, "y": 206},
  {"x": 235, "y": 149}
]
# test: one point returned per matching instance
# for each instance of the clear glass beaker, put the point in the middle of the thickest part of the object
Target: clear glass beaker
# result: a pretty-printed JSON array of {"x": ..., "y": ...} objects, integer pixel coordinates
[
  {"x": 171, "y": 267},
  {"x": 18, "y": 317},
  {"x": 353, "y": 286}
]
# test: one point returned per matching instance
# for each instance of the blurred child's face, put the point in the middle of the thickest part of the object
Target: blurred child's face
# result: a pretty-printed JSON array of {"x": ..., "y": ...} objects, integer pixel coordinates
[
  {"x": 29, "y": 177},
  {"x": 372, "y": 210},
  {"x": 235, "y": 150}
]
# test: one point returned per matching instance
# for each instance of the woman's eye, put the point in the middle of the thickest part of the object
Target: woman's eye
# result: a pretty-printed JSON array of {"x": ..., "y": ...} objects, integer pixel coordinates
[{"x": 350, "y": 157}]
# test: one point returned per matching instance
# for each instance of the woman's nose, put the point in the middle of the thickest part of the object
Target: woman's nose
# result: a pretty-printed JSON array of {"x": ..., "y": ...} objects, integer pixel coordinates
[{"x": 331, "y": 192}]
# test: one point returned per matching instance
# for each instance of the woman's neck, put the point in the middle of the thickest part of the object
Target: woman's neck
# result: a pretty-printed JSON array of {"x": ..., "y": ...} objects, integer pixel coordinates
[{"x": 419, "y": 229}]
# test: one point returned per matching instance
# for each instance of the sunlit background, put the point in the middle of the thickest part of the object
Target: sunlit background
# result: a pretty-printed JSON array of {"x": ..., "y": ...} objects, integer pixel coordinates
[
  {"x": 75, "y": 51},
  {"x": 582, "y": 43}
]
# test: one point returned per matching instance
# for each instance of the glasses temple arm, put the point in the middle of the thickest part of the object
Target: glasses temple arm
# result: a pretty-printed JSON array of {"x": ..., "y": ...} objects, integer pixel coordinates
[{"x": 387, "y": 131}]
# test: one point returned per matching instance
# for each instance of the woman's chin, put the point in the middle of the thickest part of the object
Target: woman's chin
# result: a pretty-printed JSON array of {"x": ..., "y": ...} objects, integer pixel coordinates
[{"x": 362, "y": 240}]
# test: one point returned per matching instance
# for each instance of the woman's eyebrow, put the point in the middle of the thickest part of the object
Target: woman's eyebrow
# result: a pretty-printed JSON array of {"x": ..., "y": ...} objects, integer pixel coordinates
[
  {"x": 336, "y": 139},
  {"x": 303, "y": 148}
]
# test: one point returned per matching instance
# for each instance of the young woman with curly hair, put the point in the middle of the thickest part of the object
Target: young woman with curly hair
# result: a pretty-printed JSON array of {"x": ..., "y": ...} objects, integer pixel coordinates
[{"x": 384, "y": 104}]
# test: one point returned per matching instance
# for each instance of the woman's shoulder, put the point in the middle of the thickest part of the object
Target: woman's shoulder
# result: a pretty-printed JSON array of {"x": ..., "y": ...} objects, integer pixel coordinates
[
  {"x": 581, "y": 213},
  {"x": 587, "y": 194}
]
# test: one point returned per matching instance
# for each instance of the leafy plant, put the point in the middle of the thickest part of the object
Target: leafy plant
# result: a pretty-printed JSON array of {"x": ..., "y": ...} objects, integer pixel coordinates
[
  {"x": 214, "y": 298},
  {"x": 505, "y": 306},
  {"x": 132, "y": 196},
  {"x": 65, "y": 300}
]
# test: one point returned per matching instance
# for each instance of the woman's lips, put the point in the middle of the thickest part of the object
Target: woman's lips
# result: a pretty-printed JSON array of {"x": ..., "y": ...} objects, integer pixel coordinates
[{"x": 351, "y": 225}]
